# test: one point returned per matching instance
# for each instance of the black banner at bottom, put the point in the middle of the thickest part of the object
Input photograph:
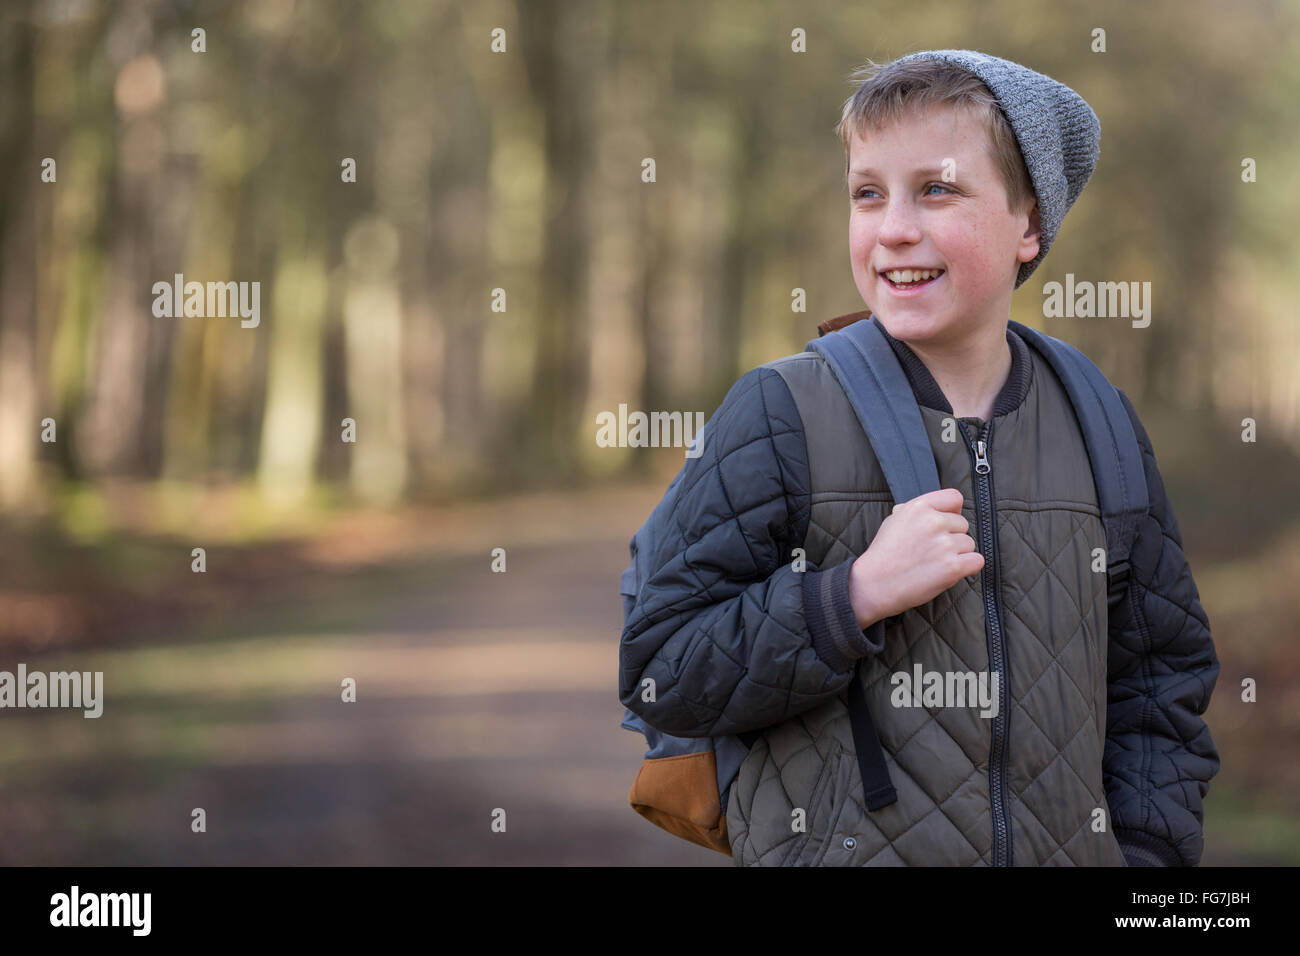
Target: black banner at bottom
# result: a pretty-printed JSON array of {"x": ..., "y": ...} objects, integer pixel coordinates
[{"x": 334, "y": 905}]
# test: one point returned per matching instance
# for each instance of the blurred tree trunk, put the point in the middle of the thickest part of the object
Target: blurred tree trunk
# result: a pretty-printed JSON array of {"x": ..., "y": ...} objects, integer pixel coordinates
[
  {"x": 20, "y": 185},
  {"x": 372, "y": 321},
  {"x": 130, "y": 352},
  {"x": 565, "y": 54},
  {"x": 489, "y": 430},
  {"x": 291, "y": 419},
  {"x": 742, "y": 239}
]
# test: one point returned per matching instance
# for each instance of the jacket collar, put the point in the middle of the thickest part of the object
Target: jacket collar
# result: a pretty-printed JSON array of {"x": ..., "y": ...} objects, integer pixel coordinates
[{"x": 927, "y": 390}]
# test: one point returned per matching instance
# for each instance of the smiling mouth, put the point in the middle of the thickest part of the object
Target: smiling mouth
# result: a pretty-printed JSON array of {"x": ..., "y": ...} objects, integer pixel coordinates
[{"x": 911, "y": 278}]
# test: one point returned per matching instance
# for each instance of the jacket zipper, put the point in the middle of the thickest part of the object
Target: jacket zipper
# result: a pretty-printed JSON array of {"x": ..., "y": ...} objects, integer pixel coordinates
[{"x": 986, "y": 529}]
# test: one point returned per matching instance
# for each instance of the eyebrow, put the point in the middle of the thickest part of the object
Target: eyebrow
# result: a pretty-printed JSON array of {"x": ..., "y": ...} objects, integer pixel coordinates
[{"x": 926, "y": 171}]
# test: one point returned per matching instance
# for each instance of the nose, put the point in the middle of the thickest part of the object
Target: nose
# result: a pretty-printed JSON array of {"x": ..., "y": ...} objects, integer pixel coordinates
[{"x": 898, "y": 224}]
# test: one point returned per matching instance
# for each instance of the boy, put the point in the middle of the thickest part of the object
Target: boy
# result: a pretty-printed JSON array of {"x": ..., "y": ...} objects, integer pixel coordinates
[{"x": 1087, "y": 749}]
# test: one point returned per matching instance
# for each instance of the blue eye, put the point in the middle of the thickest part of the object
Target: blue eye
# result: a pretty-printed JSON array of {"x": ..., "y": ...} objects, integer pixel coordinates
[{"x": 929, "y": 186}]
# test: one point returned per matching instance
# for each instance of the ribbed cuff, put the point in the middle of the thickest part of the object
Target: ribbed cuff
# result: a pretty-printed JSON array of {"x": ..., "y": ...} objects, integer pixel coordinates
[
  {"x": 836, "y": 637},
  {"x": 1141, "y": 849}
]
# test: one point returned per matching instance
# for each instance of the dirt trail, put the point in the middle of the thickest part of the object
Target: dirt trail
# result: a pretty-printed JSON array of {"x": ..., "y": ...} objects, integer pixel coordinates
[{"x": 475, "y": 691}]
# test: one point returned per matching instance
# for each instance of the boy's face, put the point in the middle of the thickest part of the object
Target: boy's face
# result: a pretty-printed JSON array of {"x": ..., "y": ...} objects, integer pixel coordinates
[{"x": 904, "y": 215}]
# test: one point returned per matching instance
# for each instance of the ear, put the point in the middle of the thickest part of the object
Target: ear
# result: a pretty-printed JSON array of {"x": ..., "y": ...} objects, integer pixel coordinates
[{"x": 1029, "y": 242}]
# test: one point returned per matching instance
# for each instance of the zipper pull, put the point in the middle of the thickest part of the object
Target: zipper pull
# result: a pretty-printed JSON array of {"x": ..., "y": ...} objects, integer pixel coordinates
[{"x": 982, "y": 466}]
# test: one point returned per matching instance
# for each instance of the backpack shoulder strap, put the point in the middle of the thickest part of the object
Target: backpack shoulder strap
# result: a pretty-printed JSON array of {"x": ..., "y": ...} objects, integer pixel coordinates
[
  {"x": 882, "y": 398},
  {"x": 1111, "y": 442},
  {"x": 875, "y": 384}
]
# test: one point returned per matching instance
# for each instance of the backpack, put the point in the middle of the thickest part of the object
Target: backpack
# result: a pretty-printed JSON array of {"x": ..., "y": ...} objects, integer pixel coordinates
[{"x": 683, "y": 782}]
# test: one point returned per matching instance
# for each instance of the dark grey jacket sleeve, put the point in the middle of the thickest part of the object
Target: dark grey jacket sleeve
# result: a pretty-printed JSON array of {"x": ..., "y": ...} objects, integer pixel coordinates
[
  {"x": 734, "y": 636},
  {"x": 1159, "y": 757}
]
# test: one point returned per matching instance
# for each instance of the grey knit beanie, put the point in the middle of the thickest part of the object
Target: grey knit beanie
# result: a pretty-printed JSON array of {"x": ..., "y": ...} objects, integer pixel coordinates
[{"x": 1058, "y": 133}]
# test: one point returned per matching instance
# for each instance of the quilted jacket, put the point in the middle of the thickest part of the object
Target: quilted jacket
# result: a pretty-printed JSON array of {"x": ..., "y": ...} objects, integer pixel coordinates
[{"x": 1096, "y": 753}]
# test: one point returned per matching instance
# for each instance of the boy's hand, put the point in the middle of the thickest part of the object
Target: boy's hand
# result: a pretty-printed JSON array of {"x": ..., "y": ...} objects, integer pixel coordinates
[{"x": 920, "y": 551}]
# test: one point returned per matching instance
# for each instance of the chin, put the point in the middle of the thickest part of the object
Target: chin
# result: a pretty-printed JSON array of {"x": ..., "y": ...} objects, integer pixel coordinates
[{"x": 916, "y": 328}]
